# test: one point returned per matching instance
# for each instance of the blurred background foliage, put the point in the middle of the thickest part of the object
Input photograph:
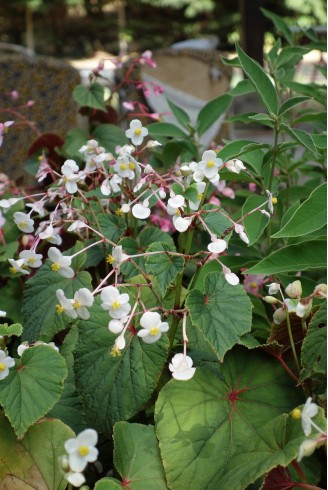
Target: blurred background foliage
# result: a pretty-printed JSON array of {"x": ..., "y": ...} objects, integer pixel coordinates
[{"x": 77, "y": 28}]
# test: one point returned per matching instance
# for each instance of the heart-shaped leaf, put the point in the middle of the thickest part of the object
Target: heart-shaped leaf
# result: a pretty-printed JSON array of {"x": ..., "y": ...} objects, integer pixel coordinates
[{"x": 163, "y": 266}]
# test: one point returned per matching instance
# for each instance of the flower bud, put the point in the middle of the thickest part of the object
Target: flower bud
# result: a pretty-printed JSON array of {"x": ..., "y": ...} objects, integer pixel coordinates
[
  {"x": 271, "y": 300},
  {"x": 307, "y": 448},
  {"x": 273, "y": 288},
  {"x": 125, "y": 208},
  {"x": 294, "y": 290},
  {"x": 186, "y": 170},
  {"x": 303, "y": 308},
  {"x": 148, "y": 169},
  {"x": 320, "y": 290},
  {"x": 279, "y": 316}
]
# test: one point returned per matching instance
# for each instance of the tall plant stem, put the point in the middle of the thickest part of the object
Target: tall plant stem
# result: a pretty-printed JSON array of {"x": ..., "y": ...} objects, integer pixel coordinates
[
  {"x": 291, "y": 340},
  {"x": 273, "y": 163}
]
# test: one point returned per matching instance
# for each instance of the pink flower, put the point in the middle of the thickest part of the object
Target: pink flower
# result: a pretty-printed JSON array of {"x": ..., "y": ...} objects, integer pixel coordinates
[
  {"x": 253, "y": 283},
  {"x": 146, "y": 59}
]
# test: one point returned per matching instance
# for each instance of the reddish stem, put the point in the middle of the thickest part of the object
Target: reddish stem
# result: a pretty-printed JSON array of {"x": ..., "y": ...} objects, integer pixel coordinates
[{"x": 300, "y": 472}]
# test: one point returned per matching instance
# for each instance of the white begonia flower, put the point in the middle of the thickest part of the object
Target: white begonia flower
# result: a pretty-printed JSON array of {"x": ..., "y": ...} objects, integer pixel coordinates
[
  {"x": 31, "y": 258},
  {"x": 217, "y": 246},
  {"x": 291, "y": 305},
  {"x": 240, "y": 230},
  {"x": 23, "y": 222},
  {"x": 136, "y": 132},
  {"x": 230, "y": 277},
  {"x": 148, "y": 169},
  {"x": 116, "y": 326},
  {"x": 76, "y": 225},
  {"x": 307, "y": 448},
  {"x": 294, "y": 289},
  {"x": 50, "y": 234},
  {"x": 17, "y": 266},
  {"x": 126, "y": 166},
  {"x": 263, "y": 211},
  {"x": 111, "y": 186},
  {"x": 181, "y": 224},
  {"x": 181, "y": 367},
  {"x": 22, "y": 347},
  {"x": 274, "y": 287},
  {"x": 3, "y": 313},
  {"x": 6, "y": 362},
  {"x": 37, "y": 207},
  {"x": 153, "y": 327},
  {"x": 117, "y": 256},
  {"x": 82, "y": 450},
  {"x": 309, "y": 411},
  {"x": 90, "y": 148},
  {"x": 302, "y": 309},
  {"x": 162, "y": 193},
  {"x": 83, "y": 298},
  {"x": 125, "y": 150},
  {"x": 210, "y": 164},
  {"x": 125, "y": 208},
  {"x": 119, "y": 343},
  {"x": 235, "y": 166},
  {"x": 200, "y": 187},
  {"x": 174, "y": 203},
  {"x": 141, "y": 211},
  {"x": 61, "y": 263},
  {"x": 117, "y": 304},
  {"x": 74, "y": 478},
  {"x": 65, "y": 305},
  {"x": 153, "y": 144},
  {"x": 70, "y": 176},
  {"x": 272, "y": 200},
  {"x": 6, "y": 204}
]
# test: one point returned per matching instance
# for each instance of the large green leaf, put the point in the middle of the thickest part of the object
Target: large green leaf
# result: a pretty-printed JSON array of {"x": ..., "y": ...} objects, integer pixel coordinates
[
  {"x": 112, "y": 226},
  {"x": 179, "y": 113},
  {"x": 242, "y": 87},
  {"x": 32, "y": 463},
  {"x": 109, "y": 136},
  {"x": 74, "y": 140},
  {"x": 92, "y": 96},
  {"x": 165, "y": 129},
  {"x": 212, "y": 111},
  {"x": 303, "y": 137},
  {"x": 212, "y": 430},
  {"x": 260, "y": 80},
  {"x": 137, "y": 457},
  {"x": 310, "y": 216},
  {"x": 294, "y": 258},
  {"x": 314, "y": 347},
  {"x": 163, "y": 266},
  {"x": 41, "y": 322},
  {"x": 69, "y": 409},
  {"x": 256, "y": 222},
  {"x": 115, "y": 388},
  {"x": 32, "y": 387},
  {"x": 290, "y": 103},
  {"x": 222, "y": 312},
  {"x": 280, "y": 25},
  {"x": 216, "y": 221},
  {"x": 108, "y": 484}
]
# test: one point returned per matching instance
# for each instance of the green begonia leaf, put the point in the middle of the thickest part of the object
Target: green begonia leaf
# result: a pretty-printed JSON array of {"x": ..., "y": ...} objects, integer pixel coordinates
[
  {"x": 74, "y": 140},
  {"x": 260, "y": 80},
  {"x": 32, "y": 387},
  {"x": 165, "y": 129},
  {"x": 108, "y": 484},
  {"x": 33, "y": 462},
  {"x": 69, "y": 409},
  {"x": 216, "y": 221},
  {"x": 137, "y": 457},
  {"x": 256, "y": 222},
  {"x": 40, "y": 319},
  {"x": 310, "y": 216},
  {"x": 109, "y": 136},
  {"x": 179, "y": 113},
  {"x": 212, "y": 111},
  {"x": 314, "y": 347},
  {"x": 10, "y": 330},
  {"x": 222, "y": 312},
  {"x": 114, "y": 388},
  {"x": 92, "y": 96},
  {"x": 163, "y": 266},
  {"x": 222, "y": 432},
  {"x": 112, "y": 226},
  {"x": 294, "y": 258}
]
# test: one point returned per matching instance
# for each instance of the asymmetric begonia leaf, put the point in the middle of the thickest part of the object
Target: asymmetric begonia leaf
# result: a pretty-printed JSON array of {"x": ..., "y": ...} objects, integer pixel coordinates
[
  {"x": 222, "y": 312},
  {"x": 163, "y": 266},
  {"x": 137, "y": 457},
  {"x": 32, "y": 387},
  {"x": 226, "y": 431},
  {"x": 314, "y": 347},
  {"x": 108, "y": 484},
  {"x": 112, "y": 226},
  {"x": 113, "y": 387},
  {"x": 69, "y": 409},
  {"x": 293, "y": 258},
  {"x": 310, "y": 216},
  {"x": 32, "y": 463},
  {"x": 40, "y": 319},
  {"x": 10, "y": 330},
  {"x": 92, "y": 96}
]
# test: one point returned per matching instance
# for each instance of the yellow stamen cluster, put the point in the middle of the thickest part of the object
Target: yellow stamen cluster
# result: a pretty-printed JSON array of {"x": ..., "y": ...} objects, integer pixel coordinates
[
  {"x": 76, "y": 304},
  {"x": 59, "y": 309},
  {"x": 110, "y": 259},
  {"x": 83, "y": 450},
  {"x": 115, "y": 352},
  {"x": 118, "y": 212},
  {"x": 296, "y": 413},
  {"x": 253, "y": 284},
  {"x": 13, "y": 270},
  {"x": 274, "y": 200},
  {"x": 132, "y": 166},
  {"x": 31, "y": 260},
  {"x": 154, "y": 331},
  {"x": 210, "y": 163},
  {"x": 55, "y": 267},
  {"x": 2, "y": 366},
  {"x": 123, "y": 166},
  {"x": 22, "y": 224},
  {"x": 199, "y": 197},
  {"x": 137, "y": 131},
  {"x": 116, "y": 304}
]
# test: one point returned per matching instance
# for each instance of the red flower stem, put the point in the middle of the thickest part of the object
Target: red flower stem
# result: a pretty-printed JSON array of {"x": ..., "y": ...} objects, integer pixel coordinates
[{"x": 299, "y": 470}]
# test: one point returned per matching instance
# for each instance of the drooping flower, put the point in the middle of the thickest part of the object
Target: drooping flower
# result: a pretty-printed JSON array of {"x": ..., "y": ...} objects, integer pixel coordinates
[
  {"x": 181, "y": 224},
  {"x": 307, "y": 448},
  {"x": 136, "y": 132},
  {"x": 240, "y": 230},
  {"x": 71, "y": 176},
  {"x": 65, "y": 304},
  {"x": 274, "y": 287},
  {"x": 235, "y": 166},
  {"x": 153, "y": 327},
  {"x": 111, "y": 185},
  {"x": 4, "y": 129},
  {"x": 24, "y": 222},
  {"x": 181, "y": 367},
  {"x": 309, "y": 411},
  {"x": 6, "y": 363},
  {"x": 272, "y": 200},
  {"x": 194, "y": 205},
  {"x": 117, "y": 304},
  {"x": 117, "y": 256},
  {"x": 217, "y": 246},
  {"x": 82, "y": 450},
  {"x": 50, "y": 234},
  {"x": 61, "y": 263},
  {"x": 17, "y": 266},
  {"x": 230, "y": 277},
  {"x": 116, "y": 326},
  {"x": 141, "y": 210},
  {"x": 31, "y": 258},
  {"x": 83, "y": 299}
]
